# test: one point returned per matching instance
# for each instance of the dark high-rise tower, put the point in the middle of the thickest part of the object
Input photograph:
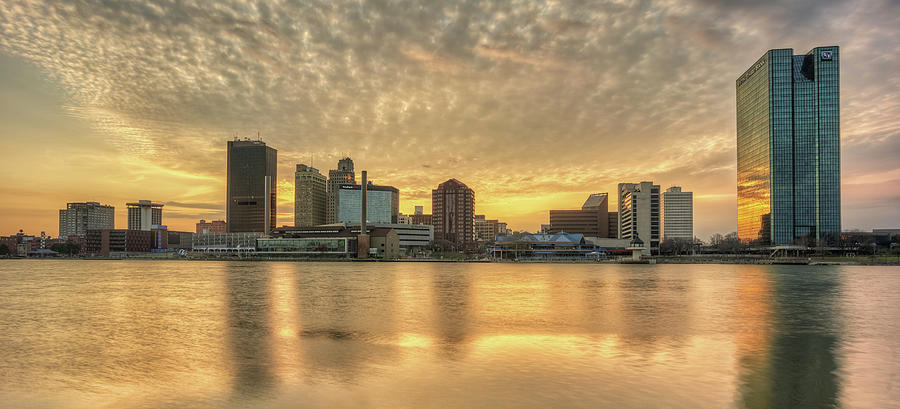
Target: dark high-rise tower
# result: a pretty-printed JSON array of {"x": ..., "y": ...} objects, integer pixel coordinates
[
  {"x": 453, "y": 213},
  {"x": 251, "y": 192},
  {"x": 788, "y": 147}
]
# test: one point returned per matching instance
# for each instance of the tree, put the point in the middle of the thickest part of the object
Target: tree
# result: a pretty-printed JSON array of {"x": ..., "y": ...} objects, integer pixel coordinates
[
  {"x": 667, "y": 247},
  {"x": 67, "y": 248},
  {"x": 675, "y": 246},
  {"x": 731, "y": 243},
  {"x": 863, "y": 243},
  {"x": 4, "y": 250},
  {"x": 442, "y": 245}
]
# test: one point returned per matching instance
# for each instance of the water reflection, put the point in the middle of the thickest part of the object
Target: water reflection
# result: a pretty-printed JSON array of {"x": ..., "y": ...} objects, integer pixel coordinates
[
  {"x": 656, "y": 311},
  {"x": 284, "y": 321},
  {"x": 798, "y": 366},
  {"x": 452, "y": 289},
  {"x": 248, "y": 329},
  {"x": 602, "y": 303},
  {"x": 348, "y": 323},
  {"x": 753, "y": 332},
  {"x": 384, "y": 335}
]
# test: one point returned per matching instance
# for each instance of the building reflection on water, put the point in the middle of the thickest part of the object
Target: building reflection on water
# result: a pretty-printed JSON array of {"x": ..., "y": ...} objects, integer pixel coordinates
[
  {"x": 301, "y": 324},
  {"x": 384, "y": 335},
  {"x": 791, "y": 334},
  {"x": 655, "y": 311},
  {"x": 348, "y": 325},
  {"x": 452, "y": 291},
  {"x": 248, "y": 330}
]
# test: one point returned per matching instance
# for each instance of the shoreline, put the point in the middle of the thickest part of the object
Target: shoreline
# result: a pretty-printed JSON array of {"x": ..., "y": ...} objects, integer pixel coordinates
[{"x": 733, "y": 260}]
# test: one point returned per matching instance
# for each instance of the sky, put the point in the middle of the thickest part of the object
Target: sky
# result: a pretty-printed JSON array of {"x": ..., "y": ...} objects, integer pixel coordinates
[{"x": 533, "y": 104}]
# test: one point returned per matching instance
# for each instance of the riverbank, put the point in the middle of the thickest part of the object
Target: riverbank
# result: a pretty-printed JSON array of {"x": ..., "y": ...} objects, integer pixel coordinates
[{"x": 702, "y": 259}]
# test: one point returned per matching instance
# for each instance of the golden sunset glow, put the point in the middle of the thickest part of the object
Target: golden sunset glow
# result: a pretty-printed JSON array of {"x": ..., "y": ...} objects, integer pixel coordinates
[{"x": 534, "y": 105}]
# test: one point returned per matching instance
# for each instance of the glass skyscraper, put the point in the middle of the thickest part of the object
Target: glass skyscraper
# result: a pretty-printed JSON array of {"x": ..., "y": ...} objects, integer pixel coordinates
[{"x": 788, "y": 147}]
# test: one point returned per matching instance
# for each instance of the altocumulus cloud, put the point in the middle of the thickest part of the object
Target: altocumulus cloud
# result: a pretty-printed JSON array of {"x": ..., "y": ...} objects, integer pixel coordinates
[{"x": 522, "y": 100}]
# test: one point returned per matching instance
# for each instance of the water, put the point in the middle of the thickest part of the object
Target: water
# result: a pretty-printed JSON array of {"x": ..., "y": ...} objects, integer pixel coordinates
[{"x": 172, "y": 334}]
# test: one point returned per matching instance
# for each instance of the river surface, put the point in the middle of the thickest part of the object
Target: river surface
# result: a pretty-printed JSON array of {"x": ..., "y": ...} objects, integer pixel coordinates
[{"x": 178, "y": 334}]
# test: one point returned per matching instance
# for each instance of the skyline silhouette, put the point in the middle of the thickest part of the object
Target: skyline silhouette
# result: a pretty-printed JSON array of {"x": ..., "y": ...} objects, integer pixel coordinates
[{"x": 532, "y": 106}]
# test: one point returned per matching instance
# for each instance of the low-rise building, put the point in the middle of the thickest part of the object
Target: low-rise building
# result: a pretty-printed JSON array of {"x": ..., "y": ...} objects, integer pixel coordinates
[
  {"x": 610, "y": 246},
  {"x": 20, "y": 243},
  {"x": 11, "y": 245},
  {"x": 385, "y": 243},
  {"x": 502, "y": 230},
  {"x": 180, "y": 240},
  {"x": 487, "y": 230},
  {"x": 225, "y": 242},
  {"x": 214, "y": 226},
  {"x": 613, "y": 225},
  {"x": 117, "y": 242},
  {"x": 545, "y": 247},
  {"x": 327, "y": 244},
  {"x": 413, "y": 238},
  {"x": 591, "y": 220},
  {"x": 421, "y": 219},
  {"x": 159, "y": 239},
  {"x": 333, "y": 240}
]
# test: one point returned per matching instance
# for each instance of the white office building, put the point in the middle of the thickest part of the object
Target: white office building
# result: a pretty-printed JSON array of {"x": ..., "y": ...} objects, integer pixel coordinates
[
  {"x": 639, "y": 214},
  {"x": 678, "y": 214},
  {"x": 144, "y": 214},
  {"x": 77, "y": 218}
]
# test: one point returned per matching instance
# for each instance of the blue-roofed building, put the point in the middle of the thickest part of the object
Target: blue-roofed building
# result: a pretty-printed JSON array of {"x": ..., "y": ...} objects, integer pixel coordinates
[
  {"x": 42, "y": 253},
  {"x": 545, "y": 246}
]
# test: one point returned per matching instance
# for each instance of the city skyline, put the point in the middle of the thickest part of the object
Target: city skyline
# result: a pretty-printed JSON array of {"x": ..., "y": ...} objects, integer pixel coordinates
[{"x": 533, "y": 108}]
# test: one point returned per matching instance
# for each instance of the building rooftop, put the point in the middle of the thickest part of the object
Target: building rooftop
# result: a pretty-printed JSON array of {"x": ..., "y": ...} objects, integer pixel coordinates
[
  {"x": 452, "y": 183},
  {"x": 141, "y": 203},
  {"x": 303, "y": 168},
  {"x": 542, "y": 238},
  {"x": 594, "y": 201},
  {"x": 370, "y": 187}
]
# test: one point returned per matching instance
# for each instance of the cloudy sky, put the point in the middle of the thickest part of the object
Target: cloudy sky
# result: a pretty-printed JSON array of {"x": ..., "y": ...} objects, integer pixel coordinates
[{"x": 534, "y": 104}]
